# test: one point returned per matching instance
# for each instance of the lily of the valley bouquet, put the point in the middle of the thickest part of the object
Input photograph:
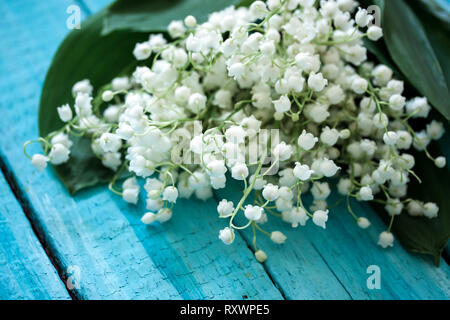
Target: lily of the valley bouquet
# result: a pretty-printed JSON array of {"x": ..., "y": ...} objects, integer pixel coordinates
[{"x": 279, "y": 95}]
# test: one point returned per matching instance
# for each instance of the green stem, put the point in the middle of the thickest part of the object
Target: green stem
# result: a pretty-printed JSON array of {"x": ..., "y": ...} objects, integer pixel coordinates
[{"x": 247, "y": 192}]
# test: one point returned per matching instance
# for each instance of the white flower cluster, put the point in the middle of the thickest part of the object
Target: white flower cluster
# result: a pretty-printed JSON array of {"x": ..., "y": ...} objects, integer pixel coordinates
[{"x": 296, "y": 66}]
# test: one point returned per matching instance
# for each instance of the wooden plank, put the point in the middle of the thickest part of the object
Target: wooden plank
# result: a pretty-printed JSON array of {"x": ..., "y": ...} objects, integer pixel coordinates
[
  {"x": 25, "y": 270},
  {"x": 315, "y": 284},
  {"x": 95, "y": 232},
  {"x": 445, "y": 4},
  {"x": 347, "y": 251},
  {"x": 83, "y": 223},
  {"x": 296, "y": 266},
  {"x": 350, "y": 251},
  {"x": 313, "y": 271}
]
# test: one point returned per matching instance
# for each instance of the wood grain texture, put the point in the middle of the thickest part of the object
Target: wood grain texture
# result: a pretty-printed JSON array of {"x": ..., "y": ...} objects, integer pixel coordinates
[
  {"x": 25, "y": 270},
  {"x": 118, "y": 256},
  {"x": 313, "y": 269},
  {"x": 347, "y": 251}
]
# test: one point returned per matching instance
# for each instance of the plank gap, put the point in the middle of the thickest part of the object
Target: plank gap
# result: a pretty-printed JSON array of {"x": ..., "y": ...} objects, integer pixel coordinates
[
  {"x": 332, "y": 271},
  {"x": 27, "y": 210},
  {"x": 275, "y": 283}
]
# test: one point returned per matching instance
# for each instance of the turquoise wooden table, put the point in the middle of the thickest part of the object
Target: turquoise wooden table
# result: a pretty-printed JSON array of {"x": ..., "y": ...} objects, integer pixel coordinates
[{"x": 93, "y": 246}]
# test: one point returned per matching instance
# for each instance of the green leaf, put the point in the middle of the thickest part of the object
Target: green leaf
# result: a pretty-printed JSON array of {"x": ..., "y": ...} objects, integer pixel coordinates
[
  {"x": 88, "y": 54},
  {"x": 379, "y": 50},
  {"x": 439, "y": 9},
  {"x": 83, "y": 54},
  {"x": 154, "y": 16},
  {"x": 244, "y": 3},
  {"x": 366, "y": 3},
  {"x": 420, "y": 234},
  {"x": 436, "y": 22},
  {"x": 411, "y": 50}
]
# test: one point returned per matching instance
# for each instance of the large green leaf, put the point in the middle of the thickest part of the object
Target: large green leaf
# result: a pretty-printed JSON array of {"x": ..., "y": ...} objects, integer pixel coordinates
[
  {"x": 379, "y": 50},
  {"x": 436, "y": 22},
  {"x": 154, "y": 16},
  {"x": 412, "y": 52},
  {"x": 420, "y": 234},
  {"x": 83, "y": 54}
]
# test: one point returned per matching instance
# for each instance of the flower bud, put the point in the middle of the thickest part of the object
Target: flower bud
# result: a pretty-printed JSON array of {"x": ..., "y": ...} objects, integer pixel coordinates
[
  {"x": 390, "y": 138},
  {"x": 107, "y": 95},
  {"x": 278, "y": 116},
  {"x": 148, "y": 218},
  {"x": 344, "y": 134},
  {"x": 359, "y": 85},
  {"x": 440, "y": 162},
  {"x": 260, "y": 256},
  {"x": 415, "y": 208},
  {"x": 278, "y": 237},
  {"x": 329, "y": 136},
  {"x": 190, "y": 21},
  {"x": 363, "y": 223},
  {"x": 164, "y": 215},
  {"x": 430, "y": 210},
  {"x": 374, "y": 33},
  {"x": 397, "y": 102}
]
